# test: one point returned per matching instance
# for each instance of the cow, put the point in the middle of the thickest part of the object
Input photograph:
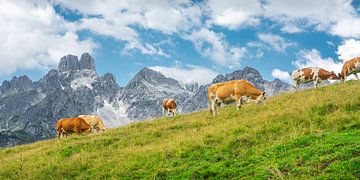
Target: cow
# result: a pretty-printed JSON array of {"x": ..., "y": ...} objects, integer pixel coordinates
[
  {"x": 311, "y": 74},
  {"x": 169, "y": 105},
  {"x": 240, "y": 91},
  {"x": 351, "y": 66},
  {"x": 69, "y": 125},
  {"x": 94, "y": 121}
]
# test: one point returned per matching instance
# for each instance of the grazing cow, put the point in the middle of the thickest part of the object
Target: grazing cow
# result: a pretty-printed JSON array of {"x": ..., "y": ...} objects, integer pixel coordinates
[
  {"x": 94, "y": 121},
  {"x": 240, "y": 91},
  {"x": 169, "y": 105},
  {"x": 351, "y": 66},
  {"x": 315, "y": 74},
  {"x": 69, "y": 125}
]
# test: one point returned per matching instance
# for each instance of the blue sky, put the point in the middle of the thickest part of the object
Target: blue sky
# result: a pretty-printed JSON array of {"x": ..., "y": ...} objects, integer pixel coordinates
[{"x": 191, "y": 41}]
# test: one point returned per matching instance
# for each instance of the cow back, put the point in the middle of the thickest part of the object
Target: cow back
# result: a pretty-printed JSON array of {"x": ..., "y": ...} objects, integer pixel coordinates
[
  {"x": 94, "y": 121},
  {"x": 74, "y": 125},
  {"x": 171, "y": 104}
]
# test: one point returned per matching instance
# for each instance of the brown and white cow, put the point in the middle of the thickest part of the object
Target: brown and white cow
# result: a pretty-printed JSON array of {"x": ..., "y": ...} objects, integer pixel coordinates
[
  {"x": 351, "y": 66},
  {"x": 70, "y": 125},
  {"x": 240, "y": 91},
  {"x": 169, "y": 105},
  {"x": 94, "y": 121},
  {"x": 311, "y": 74}
]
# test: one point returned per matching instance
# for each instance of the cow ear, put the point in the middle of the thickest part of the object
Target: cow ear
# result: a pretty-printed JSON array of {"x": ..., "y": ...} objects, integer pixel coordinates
[{"x": 263, "y": 93}]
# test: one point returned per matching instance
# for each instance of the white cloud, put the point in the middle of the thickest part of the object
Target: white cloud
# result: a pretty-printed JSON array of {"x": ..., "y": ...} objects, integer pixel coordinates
[
  {"x": 214, "y": 46},
  {"x": 189, "y": 74},
  {"x": 33, "y": 36},
  {"x": 349, "y": 49},
  {"x": 234, "y": 14},
  {"x": 347, "y": 27},
  {"x": 337, "y": 17},
  {"x": 312, "y": 58},
  {"x": 291, "y": 28},
  {"x": 282, "y": 75},
  {"x": 118, "y": 19},
  {"x": 275, "y": 41}
]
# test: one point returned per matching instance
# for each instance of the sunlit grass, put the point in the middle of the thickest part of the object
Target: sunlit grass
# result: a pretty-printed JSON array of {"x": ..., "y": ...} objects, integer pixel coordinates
[{"x": 313, "y": 133}]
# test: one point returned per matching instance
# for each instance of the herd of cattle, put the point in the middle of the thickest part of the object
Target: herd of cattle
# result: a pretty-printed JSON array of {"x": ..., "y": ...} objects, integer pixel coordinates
[{"x": 238, "y": 91}]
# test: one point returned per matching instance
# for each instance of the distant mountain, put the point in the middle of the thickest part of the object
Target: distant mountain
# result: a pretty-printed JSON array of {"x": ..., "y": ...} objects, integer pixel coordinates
[
  {"x": 29, "y": 110},
  {"x": 144, "y": 93}
]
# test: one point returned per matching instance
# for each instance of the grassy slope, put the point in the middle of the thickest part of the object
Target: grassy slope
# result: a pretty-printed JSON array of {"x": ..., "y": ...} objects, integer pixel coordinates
[{"x": 314, "y": 133}]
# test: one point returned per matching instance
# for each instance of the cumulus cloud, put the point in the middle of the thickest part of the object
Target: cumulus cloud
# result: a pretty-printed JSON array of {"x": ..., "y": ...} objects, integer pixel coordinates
[
  {"x": 120, "y": 19},
  {"x": 337, "y": 17},
  {"x": 313, "y": 58},
  {"x": 234, "y": 14},
  {"x": 275, "y": 41},
  {"x": 282, "y": 75},
  {"x": 33, "y": 36},
  {"x": 214, "y": 46},
  {"x": 189, "y": 74},
  {"x": 349, "y": 49}
]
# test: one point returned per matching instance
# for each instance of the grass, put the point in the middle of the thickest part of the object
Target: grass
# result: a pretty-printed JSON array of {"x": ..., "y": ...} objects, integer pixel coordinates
[{"x": 313, "y": 134}]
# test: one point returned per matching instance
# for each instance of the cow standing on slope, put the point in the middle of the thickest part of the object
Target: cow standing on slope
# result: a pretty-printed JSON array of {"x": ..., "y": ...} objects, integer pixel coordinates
[
  {"x": 311, "y": 74},
  {"x": 70, "y": 125},
  {"x": 240, "y": 91},
  {"x": 169, "y": 105},
  {"x": 351, "y": 66}
]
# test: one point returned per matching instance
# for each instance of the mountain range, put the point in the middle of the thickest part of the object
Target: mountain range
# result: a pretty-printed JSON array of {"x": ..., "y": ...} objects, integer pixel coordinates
[{"x": 29, "y": 110}]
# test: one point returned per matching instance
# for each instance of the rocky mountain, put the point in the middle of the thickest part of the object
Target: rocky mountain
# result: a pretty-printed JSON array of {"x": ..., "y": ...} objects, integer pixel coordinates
[
  {"x": 29, "y": 110},
  {"x": 143, "y": 95}
]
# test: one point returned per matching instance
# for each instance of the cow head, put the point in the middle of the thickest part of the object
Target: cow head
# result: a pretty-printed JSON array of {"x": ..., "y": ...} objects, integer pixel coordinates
[
  {"x": 261, "y": 99},
  {"x": 341, "y": 77},
  {"x": 333, "y": 76},
  {"x": 89, "y": 130}
]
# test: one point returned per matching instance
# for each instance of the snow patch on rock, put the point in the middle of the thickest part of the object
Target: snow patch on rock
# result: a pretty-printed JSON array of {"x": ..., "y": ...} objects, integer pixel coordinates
[{"x": 113, "y": 114}]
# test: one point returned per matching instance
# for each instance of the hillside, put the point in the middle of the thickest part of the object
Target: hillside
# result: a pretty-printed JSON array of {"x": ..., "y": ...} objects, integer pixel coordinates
[
  {"x": 29, "y": 109},
  {"x": 313, "y": 133}
]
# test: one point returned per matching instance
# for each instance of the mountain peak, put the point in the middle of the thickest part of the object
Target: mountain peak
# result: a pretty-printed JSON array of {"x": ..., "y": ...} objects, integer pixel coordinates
[
  {"x": 149, "y": 75},
  {"x": 87, "y": 62},
  {"x": 248, "y": 73},
  {"x": 72, "y": 63},
  {"x": 69, "y": 63}
]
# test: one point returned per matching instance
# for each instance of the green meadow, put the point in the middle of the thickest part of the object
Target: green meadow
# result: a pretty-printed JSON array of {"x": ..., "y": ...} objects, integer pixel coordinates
[{"x": 310, "y": 134}]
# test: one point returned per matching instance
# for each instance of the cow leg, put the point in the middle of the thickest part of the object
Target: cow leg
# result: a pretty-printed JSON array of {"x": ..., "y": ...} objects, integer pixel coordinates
[
  {"x": 209, "y": 107},
  {"x": 217, "y": 106},
  {"x": 238, "y": 103},
  {"x": 163, "y": 109},
  {"x": 295, "y": 84},
  {"x": 213, "y": 101},
  {"x": 315, "y": 83},
  {"x": 174, "y": 112},
  {"x": 63, "y": 134}
]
